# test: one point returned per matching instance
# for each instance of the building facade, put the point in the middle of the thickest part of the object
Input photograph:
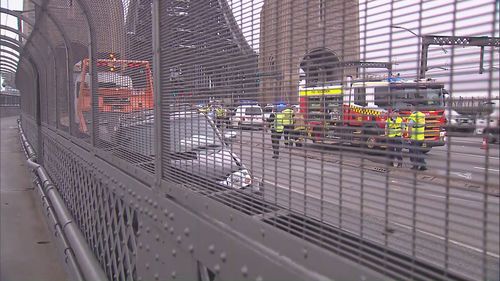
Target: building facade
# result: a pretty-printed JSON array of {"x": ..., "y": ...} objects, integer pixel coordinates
[{"x": 305, "y": 42}]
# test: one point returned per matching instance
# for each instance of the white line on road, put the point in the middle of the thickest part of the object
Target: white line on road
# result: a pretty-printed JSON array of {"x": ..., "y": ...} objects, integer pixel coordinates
[
  {"x": 491, "y": 254},
  {"x": 494, "y": 255},
  {"x": 489, "y": 169}
]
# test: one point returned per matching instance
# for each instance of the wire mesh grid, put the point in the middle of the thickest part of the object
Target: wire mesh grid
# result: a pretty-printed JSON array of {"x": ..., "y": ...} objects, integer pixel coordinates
[
  {"x": 303, "y": 122},
  {"x": 108, "y": 223},
  {"x": 365, "y": 127}
]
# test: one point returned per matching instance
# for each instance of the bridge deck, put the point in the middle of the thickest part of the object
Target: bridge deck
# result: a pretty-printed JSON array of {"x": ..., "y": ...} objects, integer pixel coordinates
[{"x": 26, "y": 246}]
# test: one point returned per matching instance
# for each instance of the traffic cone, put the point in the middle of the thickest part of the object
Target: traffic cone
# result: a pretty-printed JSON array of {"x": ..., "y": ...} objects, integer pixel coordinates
[{"x": 485, "y": 143}]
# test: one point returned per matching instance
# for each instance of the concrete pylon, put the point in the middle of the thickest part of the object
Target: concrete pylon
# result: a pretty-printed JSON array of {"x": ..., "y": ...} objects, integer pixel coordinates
[{"x": 313, "y": 35}]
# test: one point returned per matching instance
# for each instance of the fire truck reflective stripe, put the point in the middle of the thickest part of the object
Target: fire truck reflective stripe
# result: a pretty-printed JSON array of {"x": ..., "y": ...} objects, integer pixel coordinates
[{"x": 334, "y": 91}]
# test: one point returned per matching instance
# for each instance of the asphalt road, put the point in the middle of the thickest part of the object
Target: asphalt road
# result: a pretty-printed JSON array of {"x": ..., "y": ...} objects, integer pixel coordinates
[{"x": 448, "y": 215}]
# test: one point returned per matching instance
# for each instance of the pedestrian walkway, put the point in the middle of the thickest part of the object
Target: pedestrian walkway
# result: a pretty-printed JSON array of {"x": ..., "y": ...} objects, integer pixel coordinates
[{"x": 27, "y": 251}]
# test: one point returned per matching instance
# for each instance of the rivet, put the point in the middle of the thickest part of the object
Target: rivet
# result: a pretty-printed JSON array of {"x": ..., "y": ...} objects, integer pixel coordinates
[
  {"x": 155, "y": 205},
  {"x": 171, "y": 230},
  {"x": 147, "y": 248},
  {"x": 157, "y": 257},
  {"x": 262, "y": 232},
  {"x": 174, "y": 274},
  {"x": 148, "y": 229},
  {"x": 179, "y": 239},
  {"x": 174, "y": 252},
  {"x": 244, "y": 270},
  {"x": 223, "y": 256},
  {"x": 157, "y": 237},
  {"x": 305, "y": 252},
  {"x": 147, "y": 265},
  {"x": 165, "y": 212},
  {"x": 139, "y": 198},
  {"x": 165, "y": 225},
  {"x": 171, "y": 216},
  {"x": 217, "y": 268},
  {"x": 191, "y": 248},
  {"x": 186, "y": 231},
  {"x": 211, "y": 249},
  {"x": 259, "y": 278},
  {"x": 157, "y": 276},
  {"x": 155, "y": 217}
]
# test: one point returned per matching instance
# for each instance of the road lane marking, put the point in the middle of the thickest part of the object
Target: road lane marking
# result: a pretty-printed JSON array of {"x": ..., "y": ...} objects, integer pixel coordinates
[
  {"x": 458, "y": 243},
  {"x": 489, "y": 169},
  {"x": 472, "y": 248}
]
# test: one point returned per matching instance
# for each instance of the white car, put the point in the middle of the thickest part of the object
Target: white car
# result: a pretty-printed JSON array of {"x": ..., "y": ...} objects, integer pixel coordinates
[
  {"x": 248, "y": 116},
  {"x": 458, "y": 121},
  {"x": 268, "y": 109},
  {"x": 490, "y": 124}
]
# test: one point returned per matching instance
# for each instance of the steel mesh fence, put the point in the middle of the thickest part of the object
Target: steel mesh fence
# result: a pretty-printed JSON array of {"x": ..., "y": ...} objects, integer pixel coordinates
[{"x": 368, "y": 129}]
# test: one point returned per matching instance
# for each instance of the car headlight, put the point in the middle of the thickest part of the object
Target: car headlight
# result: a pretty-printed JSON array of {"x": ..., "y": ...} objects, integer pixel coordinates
[{"x": 239, "y": 179}]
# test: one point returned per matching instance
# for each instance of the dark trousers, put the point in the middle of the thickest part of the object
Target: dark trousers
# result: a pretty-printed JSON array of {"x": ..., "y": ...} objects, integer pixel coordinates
[
  {"x": 275, "y": 139},
  {"x": 288, "y": 130},
  {"x": 417, "y": 156},
  {"x": 219, "y": 122},
  {"x": 394, "y": 147}
]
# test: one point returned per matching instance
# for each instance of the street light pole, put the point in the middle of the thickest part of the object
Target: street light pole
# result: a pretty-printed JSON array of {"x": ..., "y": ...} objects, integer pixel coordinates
[{"x": 423, "y": 50}]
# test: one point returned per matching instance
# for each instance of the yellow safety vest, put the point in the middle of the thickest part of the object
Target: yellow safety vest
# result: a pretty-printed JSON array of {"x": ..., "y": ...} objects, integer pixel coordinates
[
  {"x": 219, "y": 112},
  {"x": 394, "y": 127},
  {"x": 278, "y": 122},
  {"x": 287, "y": 116},
  {"x": 418, "y": 127}
]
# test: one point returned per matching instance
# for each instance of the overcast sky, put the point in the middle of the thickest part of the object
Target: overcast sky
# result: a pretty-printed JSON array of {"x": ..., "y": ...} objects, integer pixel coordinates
[{"x": 437, "y": 17}]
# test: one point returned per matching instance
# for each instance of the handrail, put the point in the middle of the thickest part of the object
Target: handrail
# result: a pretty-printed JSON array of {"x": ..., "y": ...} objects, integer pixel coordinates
[{"x": 81, "y": 259}]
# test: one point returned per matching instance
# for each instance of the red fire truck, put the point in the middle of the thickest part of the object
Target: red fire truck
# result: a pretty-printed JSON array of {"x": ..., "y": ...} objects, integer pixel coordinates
[{"x": 356, "y": 112}]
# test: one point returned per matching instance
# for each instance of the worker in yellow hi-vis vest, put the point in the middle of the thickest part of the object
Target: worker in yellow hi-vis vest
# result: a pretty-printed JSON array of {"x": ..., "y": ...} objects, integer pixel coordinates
[
  {"x": 277, "y": 128},
  {"x": 393, "y": 131},
  {"x": 288, "y": 124},
  {"x": 416, "y": 131}
]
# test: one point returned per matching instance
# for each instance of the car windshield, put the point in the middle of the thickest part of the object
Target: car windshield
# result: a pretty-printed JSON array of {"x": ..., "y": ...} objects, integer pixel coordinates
[
  {"x": 193, "y": 133},
  {"x": 268, "y": 109},
  {"x": 413, "y": 96},
  {"x": 253, "y": 111}
]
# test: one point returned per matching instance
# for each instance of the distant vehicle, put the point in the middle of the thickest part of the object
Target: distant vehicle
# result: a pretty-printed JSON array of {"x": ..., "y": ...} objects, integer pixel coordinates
[
  {"x": 197, "y": 152},
  {"x": 248, "y": 116},
  {"x": 356, "y": 113},
  {"x": 457, "y": 121},
  {"x": 489, "y": 125},
  {"x": 268, "y": 109}
]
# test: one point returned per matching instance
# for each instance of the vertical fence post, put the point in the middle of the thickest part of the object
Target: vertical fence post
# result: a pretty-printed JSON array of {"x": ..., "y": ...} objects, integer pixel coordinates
[
  {"x": 157, "y": 92},
  {"x": 38, "y": 115}
]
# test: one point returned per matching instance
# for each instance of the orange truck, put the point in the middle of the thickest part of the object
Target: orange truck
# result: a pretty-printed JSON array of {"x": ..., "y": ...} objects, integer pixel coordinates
[
  {"x": 356, "y": 113},
  {"x": 116, "y": 92}
]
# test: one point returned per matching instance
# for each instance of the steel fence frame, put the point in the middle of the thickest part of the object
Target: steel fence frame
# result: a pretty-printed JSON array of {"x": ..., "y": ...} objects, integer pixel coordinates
[{"x": 142, "y": 225}]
